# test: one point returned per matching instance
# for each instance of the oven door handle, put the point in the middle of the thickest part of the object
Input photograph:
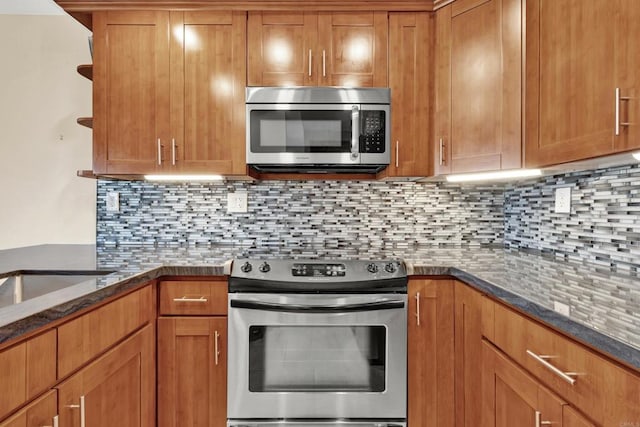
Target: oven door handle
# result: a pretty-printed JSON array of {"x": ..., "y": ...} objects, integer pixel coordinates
[{"x": 301, "y": 308}]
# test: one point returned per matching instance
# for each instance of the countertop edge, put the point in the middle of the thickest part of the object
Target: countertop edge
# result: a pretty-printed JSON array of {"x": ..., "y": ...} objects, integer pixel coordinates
[
  {"x": 598, "y": 341},
  {"x": 592, "y": 338}
]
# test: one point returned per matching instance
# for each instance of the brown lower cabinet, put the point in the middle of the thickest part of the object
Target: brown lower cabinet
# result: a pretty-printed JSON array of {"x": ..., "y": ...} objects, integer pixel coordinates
[
  {"x": 192, "y": 371},
  {"x": 430, "y": 368},
  {"x": 117, "y": 389}
]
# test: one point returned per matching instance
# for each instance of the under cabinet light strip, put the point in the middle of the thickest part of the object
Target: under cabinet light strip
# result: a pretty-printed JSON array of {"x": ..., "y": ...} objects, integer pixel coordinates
[
  {"x": 180, "y": 178},
  {"x": 489, "y": 176}
]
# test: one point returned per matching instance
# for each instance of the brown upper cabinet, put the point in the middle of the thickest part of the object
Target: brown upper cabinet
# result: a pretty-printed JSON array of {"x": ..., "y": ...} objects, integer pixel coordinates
[
  {"x": 410, "y": 80},
  {"x": 169, "y": 92},
  {"x": 582, "y": 79},
  {"x": 317, "y": 49},
  {"x": 478, "y": 93}
]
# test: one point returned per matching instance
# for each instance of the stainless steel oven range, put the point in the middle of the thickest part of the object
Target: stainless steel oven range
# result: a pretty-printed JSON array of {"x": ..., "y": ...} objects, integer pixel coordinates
[{"x": 317, "y": 343}]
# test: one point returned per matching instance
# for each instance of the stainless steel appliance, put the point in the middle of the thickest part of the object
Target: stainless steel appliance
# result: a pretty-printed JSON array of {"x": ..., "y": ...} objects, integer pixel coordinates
[
  {"x": 317, "y": 343},
  {"x": 318, "y": 129}
]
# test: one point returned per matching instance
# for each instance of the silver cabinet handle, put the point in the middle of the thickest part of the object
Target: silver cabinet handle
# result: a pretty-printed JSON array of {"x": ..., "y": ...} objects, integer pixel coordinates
[
  {"x": 159, "y": 153},
  {"x": 441, "y": 151},
  {"x": 309, "y": 62},
  {"x": 217, "y": 347},
  {"x": 567, "y": 376},
  {"x": 185, "y": 299},
  {"x": 81, "y": 406},
  {"x": 539, "y": 422},
  {"x": 324, "y": 64},
  {"x": 397, "y": 153},
  {"x": 355, "y": 131},
  {"x": 418, "y": 309},
  {"x": 173, "y": 151}
]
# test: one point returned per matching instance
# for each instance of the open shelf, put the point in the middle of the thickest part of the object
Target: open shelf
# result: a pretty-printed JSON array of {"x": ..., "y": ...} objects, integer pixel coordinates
[
  {"x": 86, "y": 121},
  {"x": 86, "y": 70}
]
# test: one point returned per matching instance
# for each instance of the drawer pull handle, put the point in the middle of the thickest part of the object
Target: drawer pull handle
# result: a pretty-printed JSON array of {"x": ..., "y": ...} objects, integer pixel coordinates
[
  {"x": 185, "y": 299},
  {"x": 418, "y": 309},
  {"x": 567, "y": 376}
]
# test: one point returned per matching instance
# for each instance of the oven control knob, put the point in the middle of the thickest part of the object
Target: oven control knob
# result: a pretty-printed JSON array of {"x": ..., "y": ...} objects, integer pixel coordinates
[
  {"x": 372, "y": 268},
  {"x": 246, "y": 267},
  {"x": 265, "y": 268},
  {"x": 390, "y": 268}
]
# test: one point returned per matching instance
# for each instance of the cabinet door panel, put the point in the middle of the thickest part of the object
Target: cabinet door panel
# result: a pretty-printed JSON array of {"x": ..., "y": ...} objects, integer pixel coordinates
[
  {"x": 627, "y": 32},
  {"x": 409, "y": 79},
  {"x": 354, "y": 47},
  {"x": 131, "y": 91},
  {"x": 192, "y": 383},
  {"x": 430, "y": 366},
  {"x": 571, "y": 74},
  {"x": 118, "y": 388},
  {"x": 209, "y": 85},
  {"x": 486, "y": 86},
  {"x": 279, "y": 45}
]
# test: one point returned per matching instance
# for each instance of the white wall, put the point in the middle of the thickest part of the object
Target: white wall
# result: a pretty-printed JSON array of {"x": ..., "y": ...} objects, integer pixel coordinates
[{"x": 41, "y": 145}]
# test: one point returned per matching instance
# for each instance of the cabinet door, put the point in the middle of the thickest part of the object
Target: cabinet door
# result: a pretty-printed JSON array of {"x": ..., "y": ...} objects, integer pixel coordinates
[
  {"x": 442, "y": 92},
  {"x": 627, "y": 32},
  {"x": 352, "y": 49},
  {"x": 192, "y": 371},
  {"x": 208, "y": 69},
  {"x": 118, "y": 389},
  {"x": 570, "y": 80},
  {"x": 281, "y": 49},
  {"x": 409, "y": 79},
  {"x": 39, "y": 413},
  {"x": 486, "y": 81},
  {"x": 131, "y": 91},
  {"x": 430, "y": 366},
  {"x": 510, "y": 397},
  {"x": 468, "y": 345}
]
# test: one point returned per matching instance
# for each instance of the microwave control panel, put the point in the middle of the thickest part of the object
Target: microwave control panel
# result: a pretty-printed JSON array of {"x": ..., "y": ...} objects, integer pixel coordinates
[{"x": 372, "y": 131}]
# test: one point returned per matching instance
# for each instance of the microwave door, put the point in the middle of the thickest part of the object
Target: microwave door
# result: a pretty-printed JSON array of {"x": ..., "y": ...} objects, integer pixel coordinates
[{"x": 292, "y": 134}]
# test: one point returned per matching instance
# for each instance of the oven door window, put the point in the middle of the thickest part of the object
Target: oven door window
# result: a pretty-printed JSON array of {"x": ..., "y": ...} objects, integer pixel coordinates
[
  {"x": 300, "y": 131},
  {"x": 317, "y": 358}
]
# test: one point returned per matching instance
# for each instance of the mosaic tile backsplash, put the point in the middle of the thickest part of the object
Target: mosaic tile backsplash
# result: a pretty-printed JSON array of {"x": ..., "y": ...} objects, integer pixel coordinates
[
  {"x": 328, "y": 214},
  {"x": 603, "y": 226}
]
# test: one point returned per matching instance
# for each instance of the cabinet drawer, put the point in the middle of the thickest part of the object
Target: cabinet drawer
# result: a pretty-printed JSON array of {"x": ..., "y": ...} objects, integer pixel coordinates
[
  {"x": 193, "y": 297},
  {"x": 27, "y": 369},
  {"x": 556, "y": 361},
  {"x": 85, "y": 337}
]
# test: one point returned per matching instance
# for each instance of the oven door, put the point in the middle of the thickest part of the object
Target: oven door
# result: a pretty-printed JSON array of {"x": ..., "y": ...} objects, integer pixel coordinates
[{"x": 317, "y": 356}]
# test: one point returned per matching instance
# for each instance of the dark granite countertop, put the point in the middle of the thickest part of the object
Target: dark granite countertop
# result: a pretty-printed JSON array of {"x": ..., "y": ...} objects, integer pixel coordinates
[{"x": 604, "y": 306}]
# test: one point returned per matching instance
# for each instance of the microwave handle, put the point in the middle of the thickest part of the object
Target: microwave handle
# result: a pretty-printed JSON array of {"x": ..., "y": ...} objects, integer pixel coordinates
[
  {"x": 302, "y": 308},
  {"x": 355, "y": 131}
]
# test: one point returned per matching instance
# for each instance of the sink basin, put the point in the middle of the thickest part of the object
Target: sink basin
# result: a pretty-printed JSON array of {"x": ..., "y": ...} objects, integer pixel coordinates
[{"x": 28, "y": 285}]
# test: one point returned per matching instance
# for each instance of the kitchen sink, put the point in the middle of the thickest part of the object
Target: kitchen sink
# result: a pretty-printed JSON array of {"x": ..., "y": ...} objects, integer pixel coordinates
[{"x": 32, "y": 284}]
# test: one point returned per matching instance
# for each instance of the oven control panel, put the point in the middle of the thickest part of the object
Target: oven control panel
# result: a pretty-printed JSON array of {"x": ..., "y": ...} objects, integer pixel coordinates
[{"x": 318, "y": 270}]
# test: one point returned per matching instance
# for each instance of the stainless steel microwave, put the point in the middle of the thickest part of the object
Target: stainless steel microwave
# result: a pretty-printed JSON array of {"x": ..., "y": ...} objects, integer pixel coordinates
[{"x": 318, "y": 129}]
